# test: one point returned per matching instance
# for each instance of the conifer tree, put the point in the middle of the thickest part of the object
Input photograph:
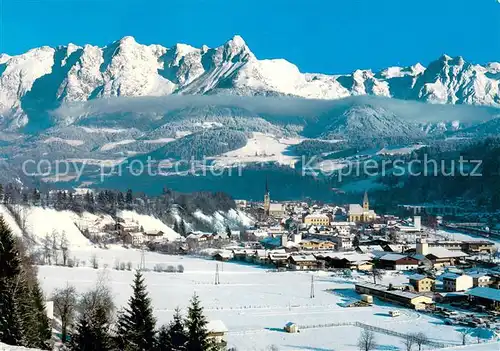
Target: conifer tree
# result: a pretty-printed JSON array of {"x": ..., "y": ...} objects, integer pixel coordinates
[
  {"x": 136, "y": 323},
  {"x": 92, "y": 331},
  {"x": 43, "y": 330},
  {"x": 182, "y": 228},
  {"x": 196, "y": 325},
  {"x": 174, "y": 336},
  {"x": 11, "y": 331}
]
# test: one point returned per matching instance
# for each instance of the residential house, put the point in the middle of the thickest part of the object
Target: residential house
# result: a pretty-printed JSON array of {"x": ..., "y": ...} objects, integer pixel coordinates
[
  {"x": 317, "y": 244},
  {"x": 302, "y": 262},
  {"x": 317, "y": 219},
  {"x": 480, "y": 280},
  {"x": 421, "y": 283},
  {"x": 343, "y": 242},
  {"x": 223, "y": 256},
  {"x": 398, "y": 262},
  {"x": 134, "y": 239},
  {"x": 438, "y": 256},
  {"x": 456, "y": 282}
]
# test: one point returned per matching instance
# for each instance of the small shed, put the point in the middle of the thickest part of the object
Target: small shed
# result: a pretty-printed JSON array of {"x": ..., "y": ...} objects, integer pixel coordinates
[{"x": 291, "y": 327}]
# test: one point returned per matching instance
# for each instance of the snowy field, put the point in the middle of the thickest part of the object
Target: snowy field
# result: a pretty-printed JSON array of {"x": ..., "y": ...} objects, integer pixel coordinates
[{"x": 254, "y": 303}]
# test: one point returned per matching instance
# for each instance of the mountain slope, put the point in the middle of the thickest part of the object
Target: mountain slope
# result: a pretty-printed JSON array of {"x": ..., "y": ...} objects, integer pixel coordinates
[{"x": 42, "y": 79}]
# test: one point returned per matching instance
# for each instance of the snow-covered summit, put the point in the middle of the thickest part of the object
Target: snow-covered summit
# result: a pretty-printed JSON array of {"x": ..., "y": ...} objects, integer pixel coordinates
[{"x": 45, "y": 77}]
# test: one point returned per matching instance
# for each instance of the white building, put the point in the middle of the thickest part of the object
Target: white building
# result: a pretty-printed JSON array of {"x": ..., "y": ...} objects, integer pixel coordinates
[
  {"x": 343, "y": 242},
  {"x": 455, "y": 282}
]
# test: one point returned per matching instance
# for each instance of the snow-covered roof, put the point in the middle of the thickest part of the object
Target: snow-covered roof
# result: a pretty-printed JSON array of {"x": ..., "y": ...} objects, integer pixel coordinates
[
  {"x": 418, "y": 277},
  {"x": 485, "y": 293},
  {"x": 217, "y": 326},
  {"x": 393, "y": 257},
  {"x": 442, "y": 252},
  {"x": 276, "y": 207},
  {"x": 355, "y": 209},
  {"x": 303, "y": 258}
]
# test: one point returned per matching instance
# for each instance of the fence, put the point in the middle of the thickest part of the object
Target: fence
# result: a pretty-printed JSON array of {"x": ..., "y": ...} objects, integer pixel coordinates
[{"x": 434, "y": 344}]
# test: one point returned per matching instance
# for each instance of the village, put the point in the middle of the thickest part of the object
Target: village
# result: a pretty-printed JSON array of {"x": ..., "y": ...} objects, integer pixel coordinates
[{"x": 456, "y": 280}]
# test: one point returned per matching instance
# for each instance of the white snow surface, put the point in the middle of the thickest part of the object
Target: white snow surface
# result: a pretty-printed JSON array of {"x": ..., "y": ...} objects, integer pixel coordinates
[
  {"x": 111, "y": 146},
  {"x": 253, "y": 302},
  {"x": 261, "y": 148}
]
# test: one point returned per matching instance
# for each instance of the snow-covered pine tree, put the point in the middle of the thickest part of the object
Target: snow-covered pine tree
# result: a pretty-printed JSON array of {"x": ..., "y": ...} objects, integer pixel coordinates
[
  {"x": 11, "y": 331},
  {"x": 136, "y": 323},
  {"x": 92, "y": 331},
  {"x": 196, "y": 325},
  {"x": 43, "y": 331},
  {"x": 173, "y": 337},
  {"x": 182, "y": 228}
]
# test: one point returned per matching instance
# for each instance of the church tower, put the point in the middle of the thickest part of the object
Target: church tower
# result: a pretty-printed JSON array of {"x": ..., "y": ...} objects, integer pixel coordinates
[
  {"x": 267, "y": 199},
  {"x": 366, "y": 203}
]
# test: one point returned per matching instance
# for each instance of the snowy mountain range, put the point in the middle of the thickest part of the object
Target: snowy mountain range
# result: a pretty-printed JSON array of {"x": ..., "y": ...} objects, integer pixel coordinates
[
  {"x": 105, "y": 107},
  {"x": 44, "y": 78}
]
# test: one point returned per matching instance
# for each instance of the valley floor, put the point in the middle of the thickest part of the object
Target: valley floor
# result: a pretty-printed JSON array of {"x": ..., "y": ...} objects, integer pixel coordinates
[{"x": 253, "y": 302}]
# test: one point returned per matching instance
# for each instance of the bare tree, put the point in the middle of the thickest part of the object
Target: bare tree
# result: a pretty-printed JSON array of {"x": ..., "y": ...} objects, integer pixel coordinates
[
  {"x": 272, "y": 348},
  {"x": 377, "y": 274},
  {"x": 478, "y": 335},
  {"x": 366, "y": 341},
  {"x": 94, "y": 262},
  {"x": 65, "y": 302},
  {"x": 46, "y": 247},
  {"x": 64, "y": 248},
  {"x": 464, "y": 333},
  {"x": 408, "y": 342},
  {"x": 55, "y": 247},
  {"x": 129, "y": 266},
  {"x": 421, "y": 339},
  {"x": 98, "y": 297}
]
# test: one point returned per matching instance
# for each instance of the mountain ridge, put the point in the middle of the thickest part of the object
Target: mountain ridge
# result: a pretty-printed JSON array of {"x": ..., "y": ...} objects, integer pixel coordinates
[{"x": 44, "y": 78}]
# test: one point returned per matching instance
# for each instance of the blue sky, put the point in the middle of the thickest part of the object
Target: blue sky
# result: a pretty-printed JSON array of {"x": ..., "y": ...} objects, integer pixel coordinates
[{"x": 330, "y": 36}]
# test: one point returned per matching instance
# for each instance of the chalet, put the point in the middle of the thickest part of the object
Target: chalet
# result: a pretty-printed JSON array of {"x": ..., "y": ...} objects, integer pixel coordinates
[
  {"x": 154, "y": 236},
  {"x": 302, "y": 262},
  {"x": 421, "y": 283},
  {"x": 352, "y": 260},
  {"x": 404, "y": 298},
  {"x": 279, "y": 258},
  {"x": 223, "y": 256},
  {"x": 317, "y": 244},
  {"x": 134, "y": 239},
  {"x": 217, "y": 331},
  {"x": 398, "y": 262},
  {"x": 127, "y": 227}
]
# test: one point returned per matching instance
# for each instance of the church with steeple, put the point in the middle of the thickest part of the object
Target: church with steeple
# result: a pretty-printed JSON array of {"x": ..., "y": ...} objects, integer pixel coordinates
[
  {"x": 358, "y": 213},
  {"x": 267, "y": 200}
]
